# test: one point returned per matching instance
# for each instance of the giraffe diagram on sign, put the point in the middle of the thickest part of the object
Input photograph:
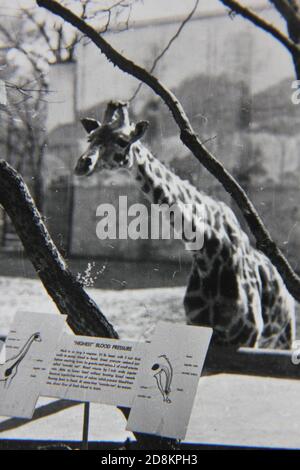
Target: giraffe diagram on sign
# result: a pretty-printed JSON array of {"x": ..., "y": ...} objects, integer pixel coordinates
[
  {"x": 163, "y": 376},
  {"x": 9, "y": 369},
  {"x": 233, "y": 287}
]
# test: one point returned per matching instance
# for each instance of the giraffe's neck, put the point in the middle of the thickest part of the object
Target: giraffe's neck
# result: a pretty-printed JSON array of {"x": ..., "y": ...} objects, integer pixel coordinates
[{"x": 162, "y": 186}]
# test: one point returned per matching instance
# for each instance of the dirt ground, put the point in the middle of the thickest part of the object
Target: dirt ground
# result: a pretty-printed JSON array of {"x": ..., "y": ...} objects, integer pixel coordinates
[{"x": 228, "y": 409}]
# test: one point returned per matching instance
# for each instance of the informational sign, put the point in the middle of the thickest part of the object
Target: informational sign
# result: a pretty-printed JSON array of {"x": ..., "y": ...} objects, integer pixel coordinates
[
  {"x": 168, "y": 380},
  {"x": 157, "y": 380},
  {"x": 43, "y": 360}
]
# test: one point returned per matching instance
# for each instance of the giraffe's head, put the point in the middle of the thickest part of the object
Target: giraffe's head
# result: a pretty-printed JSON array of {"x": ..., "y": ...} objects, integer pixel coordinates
[{"x": 110, "y": 142}]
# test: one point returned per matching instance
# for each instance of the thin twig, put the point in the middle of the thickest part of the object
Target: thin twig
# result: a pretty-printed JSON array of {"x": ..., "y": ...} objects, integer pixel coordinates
[{"x": 41, "y": 26}]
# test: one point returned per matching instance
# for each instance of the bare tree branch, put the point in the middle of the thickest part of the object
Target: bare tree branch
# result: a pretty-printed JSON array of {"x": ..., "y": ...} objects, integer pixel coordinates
[
  {"x": 83, "y": 315},
  {"x": 188, "y": 136},
  {"x": 56, "y": 42},
  {"x": 167, "y": 47},
  {"x": 17, "y": 43},
  {"x": 40, "y": 25},
  {"x": 262, "y": 24},
  {"x": 290, "y": 11}
]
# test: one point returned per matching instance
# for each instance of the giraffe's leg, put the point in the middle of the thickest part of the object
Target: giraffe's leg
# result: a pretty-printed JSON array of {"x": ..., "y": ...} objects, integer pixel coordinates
[
  {"x": 235, "y": 318},
  {"x": 239, "y": 332},
  {"x": 195, "y": 305},
  {"x": 278, "y": 312},
  {"x": 276, "y": 336}
]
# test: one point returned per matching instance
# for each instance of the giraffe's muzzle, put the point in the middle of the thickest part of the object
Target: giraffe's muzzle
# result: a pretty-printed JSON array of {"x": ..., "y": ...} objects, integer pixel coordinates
[{"x": 87, "y": 163}]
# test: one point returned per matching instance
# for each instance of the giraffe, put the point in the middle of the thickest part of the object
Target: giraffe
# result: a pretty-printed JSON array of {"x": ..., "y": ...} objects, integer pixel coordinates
[
  {"x": 233, "y": 287},
  {"x": 9, "y": 369}
]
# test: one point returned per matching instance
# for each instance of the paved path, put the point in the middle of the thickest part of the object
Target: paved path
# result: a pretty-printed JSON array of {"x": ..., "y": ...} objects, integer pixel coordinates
[{"x": 228, "y": 409}]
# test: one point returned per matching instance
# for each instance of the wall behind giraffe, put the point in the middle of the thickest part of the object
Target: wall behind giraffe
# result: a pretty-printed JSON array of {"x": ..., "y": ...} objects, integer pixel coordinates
[
  {"x": 212, "y": 45},
  {"x": 234, "y": 82}
]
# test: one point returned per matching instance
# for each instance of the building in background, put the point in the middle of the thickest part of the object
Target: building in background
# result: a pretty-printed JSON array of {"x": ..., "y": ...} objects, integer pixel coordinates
[{"x": 234, "y": 82}]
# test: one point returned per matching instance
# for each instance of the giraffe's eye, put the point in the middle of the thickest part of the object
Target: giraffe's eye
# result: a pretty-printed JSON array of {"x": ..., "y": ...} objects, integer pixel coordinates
[{"x": 122, "y": 142}]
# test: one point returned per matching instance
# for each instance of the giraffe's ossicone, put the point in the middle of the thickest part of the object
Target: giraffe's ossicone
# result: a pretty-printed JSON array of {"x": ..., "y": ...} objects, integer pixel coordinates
[{"x": 233, "y": 288}]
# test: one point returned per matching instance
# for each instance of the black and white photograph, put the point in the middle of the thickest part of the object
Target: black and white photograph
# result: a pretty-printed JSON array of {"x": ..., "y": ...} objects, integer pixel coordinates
[{"x": 149, "y": 226}]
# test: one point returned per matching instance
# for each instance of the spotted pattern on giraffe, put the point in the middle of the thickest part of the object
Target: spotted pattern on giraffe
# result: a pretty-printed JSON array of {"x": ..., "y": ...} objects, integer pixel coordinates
[{"x": 233, "y": 287}]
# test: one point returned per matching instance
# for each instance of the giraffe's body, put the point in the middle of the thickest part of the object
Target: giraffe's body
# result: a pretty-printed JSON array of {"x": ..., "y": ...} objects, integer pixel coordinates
[{"x": 233, "y": 287}]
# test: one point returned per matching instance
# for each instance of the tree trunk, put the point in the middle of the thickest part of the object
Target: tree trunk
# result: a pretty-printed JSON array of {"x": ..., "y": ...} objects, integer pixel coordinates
[{"x": 83, "y": 316}]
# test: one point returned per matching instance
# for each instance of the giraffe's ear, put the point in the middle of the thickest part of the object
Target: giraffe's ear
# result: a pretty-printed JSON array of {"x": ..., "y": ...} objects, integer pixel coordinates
[
  {"x": 90, "y": 124},
  {"x": 139, "y": 131}
]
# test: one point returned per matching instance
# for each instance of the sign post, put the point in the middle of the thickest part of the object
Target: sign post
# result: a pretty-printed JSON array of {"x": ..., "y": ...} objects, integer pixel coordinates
[{"x": 85, "y": 430}]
